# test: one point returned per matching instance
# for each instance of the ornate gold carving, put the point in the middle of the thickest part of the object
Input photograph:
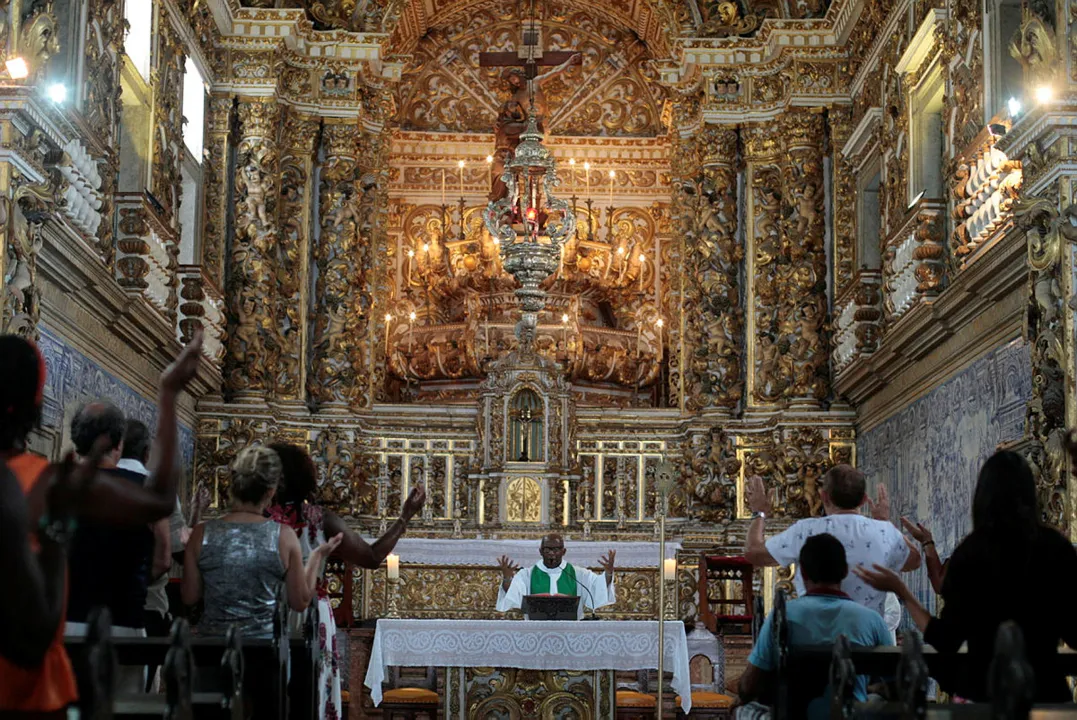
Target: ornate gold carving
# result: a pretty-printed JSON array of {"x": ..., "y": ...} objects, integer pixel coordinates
[
  {"x": 167, "y": 80},
  {"x": 1047, "y": 231},
  {"x": 713, "y": 254},
  {"x": 1033, "y": 46},
  {"x": 285, "y": 338},
  {"x": 791, "y": 461},
  {"x": 20, "y": 225},
  {"x": 351, "y": 206},
  {"x": 600, "y": 96},
  {"x": 215, "y": 182},
  {"x": 846, "y": 262},
  {"x": 250, "y": 281},
  {"x": 714, "y": 469}
]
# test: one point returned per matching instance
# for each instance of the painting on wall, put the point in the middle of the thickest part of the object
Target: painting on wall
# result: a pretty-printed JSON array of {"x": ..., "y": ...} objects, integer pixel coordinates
[
  {"x": 74, "y": 378},
  {"x": 929, "y": 453}
]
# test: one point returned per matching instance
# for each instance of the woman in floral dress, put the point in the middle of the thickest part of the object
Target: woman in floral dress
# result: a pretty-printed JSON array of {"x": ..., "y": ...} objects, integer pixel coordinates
[{"x": 295, "y": 507}]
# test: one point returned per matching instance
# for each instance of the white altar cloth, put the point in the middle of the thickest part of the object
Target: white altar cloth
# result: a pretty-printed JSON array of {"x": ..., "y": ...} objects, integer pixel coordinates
[
  {"x": 483, "y": 551},
  {"x": 530, "y": 645}
]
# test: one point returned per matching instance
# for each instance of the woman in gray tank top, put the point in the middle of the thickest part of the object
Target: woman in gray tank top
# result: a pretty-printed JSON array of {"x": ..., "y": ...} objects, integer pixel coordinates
[{"x": 238, "y": 562}]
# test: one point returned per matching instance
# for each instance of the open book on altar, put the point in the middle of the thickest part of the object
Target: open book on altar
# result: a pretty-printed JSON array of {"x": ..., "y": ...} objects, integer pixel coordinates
[{"x": 550, "y": 607}]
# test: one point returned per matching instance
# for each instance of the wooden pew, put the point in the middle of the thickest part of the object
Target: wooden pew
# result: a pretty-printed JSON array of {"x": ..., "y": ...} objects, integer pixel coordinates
[{"x": 180, "y": 656}]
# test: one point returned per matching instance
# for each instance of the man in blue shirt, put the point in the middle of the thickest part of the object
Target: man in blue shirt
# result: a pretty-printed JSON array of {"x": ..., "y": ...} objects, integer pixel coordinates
[{"x": 815, "y": 619}]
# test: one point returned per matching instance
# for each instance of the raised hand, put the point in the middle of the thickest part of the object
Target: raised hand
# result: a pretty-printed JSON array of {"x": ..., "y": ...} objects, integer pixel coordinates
[
  {"x": 881, "y": 578},
  {"x": 183, "y": 368},
  {"x": 880, "y": 509},
  {"x": 920, "y": 533},
  {"x": 508, "y": 568},
  {"x": 607, "y": 564},
  {"x": 414, "y": 502},
  {"x": 758, "y": 499},
  {"x": 326, "y": 548}
]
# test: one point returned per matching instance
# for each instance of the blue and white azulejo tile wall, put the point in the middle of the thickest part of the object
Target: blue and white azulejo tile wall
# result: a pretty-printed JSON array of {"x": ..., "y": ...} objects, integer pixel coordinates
[
  {"x": 929, "y": 453},
  {"x": 74, "y": 378}
]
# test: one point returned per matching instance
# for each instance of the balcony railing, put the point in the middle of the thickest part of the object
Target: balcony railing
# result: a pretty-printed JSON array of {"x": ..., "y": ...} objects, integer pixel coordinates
[
  {"x": 914, "y": 267},
  {"x": 200, "y": 306},
  {"x": 858, "y": 314},
  {"x": 987, "y": 184}
]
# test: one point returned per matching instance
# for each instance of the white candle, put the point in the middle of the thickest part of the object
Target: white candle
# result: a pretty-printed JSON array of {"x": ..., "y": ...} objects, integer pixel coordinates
[
  {"x": 392, "y": 567},
  {"x": 460, "y": 165},
  {"x": 669, "y": 569}
]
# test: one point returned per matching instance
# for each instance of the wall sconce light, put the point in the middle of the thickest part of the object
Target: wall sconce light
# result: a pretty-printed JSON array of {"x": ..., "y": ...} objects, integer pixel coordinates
[
  {"x": 1014, "y": 106},
  {"x": 1044, "y": 94},
  {"x": 57, "y": 93},
  {"x": 16, "y": 68}
]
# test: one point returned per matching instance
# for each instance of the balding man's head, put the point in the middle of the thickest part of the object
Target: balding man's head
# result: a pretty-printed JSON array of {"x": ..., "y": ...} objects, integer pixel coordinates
[
  {"x": 845, "y": 487},
  {"x": 552, "y": 550},
  {"x": 93, "y": 420}
]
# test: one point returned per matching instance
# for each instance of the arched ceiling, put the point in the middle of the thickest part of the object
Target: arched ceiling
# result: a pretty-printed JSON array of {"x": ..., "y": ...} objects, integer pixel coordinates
[
  {"x": 657, "y": 23},
  {"x": 613, "y": 92}
]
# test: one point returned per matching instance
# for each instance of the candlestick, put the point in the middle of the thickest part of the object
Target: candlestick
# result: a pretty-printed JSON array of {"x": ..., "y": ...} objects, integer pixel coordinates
[
  {"x": 388, "y": 317},
  {"x": 461, "y": 166},
  {"x": 490, "y": 170},
  {"x": 642, "y": 259},
  {"x": 392, "y": 566}
]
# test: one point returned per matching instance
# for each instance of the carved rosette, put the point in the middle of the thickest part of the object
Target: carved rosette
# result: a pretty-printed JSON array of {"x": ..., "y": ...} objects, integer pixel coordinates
[
  {"x": 350, "y": 212},
  {"x": 713, "y": 254},
  {"x": 770, "y": 374},
  {"x": 284, "y": 344},
  {"x": 251, "y": 281},
  {"x": 215, "y": 183}
]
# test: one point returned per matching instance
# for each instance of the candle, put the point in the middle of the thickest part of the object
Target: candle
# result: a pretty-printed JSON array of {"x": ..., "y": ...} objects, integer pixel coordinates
[
  {"x": 669, "y": 569},
  {"x": 490, "y": 170},
  {"x": 411, "y": 323},
  {"x": 442, "y": 186},
  {"x": 461, "y": 166},
  {"x": 587, "y": 178},
  {"x": 660, "y": 322},
  {"x": 572, "y": 174},
  {"x": 642, "y": 259},
  {"x": 392, "y": 566},
  {"x": 388, "y": 317},
  {"x": 613, "y": 176}
]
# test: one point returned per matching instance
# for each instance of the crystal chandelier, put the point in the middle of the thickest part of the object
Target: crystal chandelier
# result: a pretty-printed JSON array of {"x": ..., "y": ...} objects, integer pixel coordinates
[{"x": 530, "y": 224}]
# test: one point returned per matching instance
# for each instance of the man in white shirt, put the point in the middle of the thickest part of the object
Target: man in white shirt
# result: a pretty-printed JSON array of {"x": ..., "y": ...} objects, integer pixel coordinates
[
  {"x": 553, "y": 576},
  {"x": 867, "y": 541}
]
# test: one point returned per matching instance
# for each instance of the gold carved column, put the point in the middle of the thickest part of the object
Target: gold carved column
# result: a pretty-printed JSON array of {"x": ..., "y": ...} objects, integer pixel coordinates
[
  {"x": 215, "y": 183},
  {"x": 713, "y": 315},
  {"x": 685, "y": 167},
  {"x": 255, "y": 237},
  {"x": 290, "y": 258},
  {"x": 767, "y": 373},
  {"x": 352, "y": 200},
  {"x": 801, "y": 329},
  {"x": 843, "y": 195}
]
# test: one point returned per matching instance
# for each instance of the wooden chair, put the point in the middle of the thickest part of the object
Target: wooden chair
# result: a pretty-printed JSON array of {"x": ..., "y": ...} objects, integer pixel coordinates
[
  {"x": 705, "y": 704},
  {"x": 721, "y": 614},
  {"x": 412, "y": 700},
  {"x": 638, "y": 704}
]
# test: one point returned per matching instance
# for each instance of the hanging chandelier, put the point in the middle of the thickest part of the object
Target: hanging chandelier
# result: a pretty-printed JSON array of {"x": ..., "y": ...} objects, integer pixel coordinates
[{"x": 530, "y": 224}]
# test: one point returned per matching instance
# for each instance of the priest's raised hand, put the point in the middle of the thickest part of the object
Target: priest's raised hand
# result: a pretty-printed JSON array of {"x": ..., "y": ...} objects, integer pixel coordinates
[
  {"x": 508, "y": 568},
  {"x": 607, "y": 565}
]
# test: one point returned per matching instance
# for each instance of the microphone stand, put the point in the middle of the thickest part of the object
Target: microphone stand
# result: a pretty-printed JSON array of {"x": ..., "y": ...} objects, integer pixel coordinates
[{"x": 594, "y": 616}]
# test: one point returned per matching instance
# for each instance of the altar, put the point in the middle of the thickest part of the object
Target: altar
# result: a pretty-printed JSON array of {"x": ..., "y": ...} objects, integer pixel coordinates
[{"x": 571, "y": 663}]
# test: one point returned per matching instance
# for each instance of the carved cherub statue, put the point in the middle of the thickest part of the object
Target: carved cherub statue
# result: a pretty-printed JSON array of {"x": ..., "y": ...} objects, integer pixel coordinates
[{"x": 258, "y": 187}]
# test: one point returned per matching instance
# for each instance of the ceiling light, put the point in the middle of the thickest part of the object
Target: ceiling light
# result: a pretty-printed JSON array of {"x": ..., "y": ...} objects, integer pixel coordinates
[
  {"x": 1044, "y": 93},
  {"x": 1014, "y": 106}
]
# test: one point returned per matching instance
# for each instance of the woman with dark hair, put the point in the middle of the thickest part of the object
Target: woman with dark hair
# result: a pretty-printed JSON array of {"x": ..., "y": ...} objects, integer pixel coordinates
[
  {"x": 990, "y": 579},
  {"x": 295, "y": 507}
]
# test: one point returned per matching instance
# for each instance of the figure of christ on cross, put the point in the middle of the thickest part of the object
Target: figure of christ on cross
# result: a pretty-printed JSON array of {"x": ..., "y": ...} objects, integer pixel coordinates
[{"x": 524, "y": 84}]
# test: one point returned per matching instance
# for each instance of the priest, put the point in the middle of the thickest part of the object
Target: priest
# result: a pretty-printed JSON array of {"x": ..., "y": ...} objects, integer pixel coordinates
[{"x": 553, "y": 576}]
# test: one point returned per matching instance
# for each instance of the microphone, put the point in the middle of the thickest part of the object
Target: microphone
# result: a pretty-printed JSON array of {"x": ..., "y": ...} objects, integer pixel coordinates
[{"x": 592, "y": 597}]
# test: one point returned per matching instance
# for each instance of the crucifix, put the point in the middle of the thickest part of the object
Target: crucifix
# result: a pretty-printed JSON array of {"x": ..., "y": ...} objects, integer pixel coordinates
[
  {"x": 524, "y": 84},
  {"x": 525, "y": 418}
]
